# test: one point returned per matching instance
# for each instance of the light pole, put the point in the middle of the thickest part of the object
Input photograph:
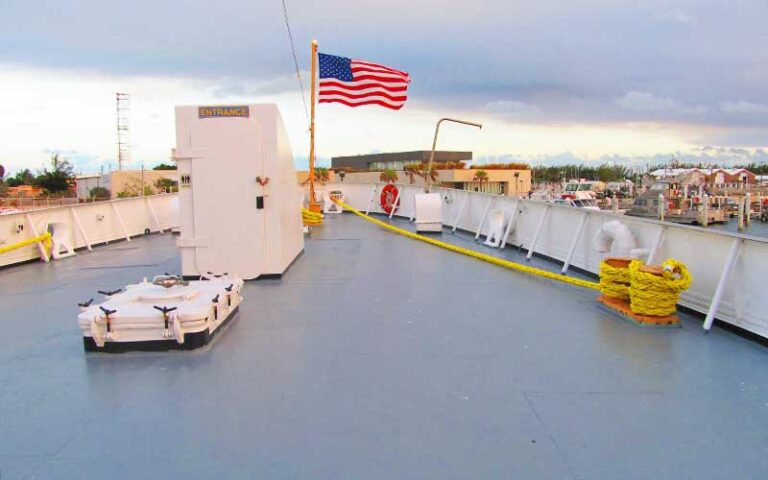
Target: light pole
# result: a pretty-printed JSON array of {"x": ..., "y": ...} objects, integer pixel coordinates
[{"x": 428, "y": 182}]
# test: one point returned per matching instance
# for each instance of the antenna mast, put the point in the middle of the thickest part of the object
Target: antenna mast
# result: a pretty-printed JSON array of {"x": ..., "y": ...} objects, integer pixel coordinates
[{"x": 123, "y": 143}]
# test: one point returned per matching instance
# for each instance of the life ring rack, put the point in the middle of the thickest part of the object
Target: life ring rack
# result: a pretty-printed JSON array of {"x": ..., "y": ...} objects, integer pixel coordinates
[{"x": 389, "y": 198}]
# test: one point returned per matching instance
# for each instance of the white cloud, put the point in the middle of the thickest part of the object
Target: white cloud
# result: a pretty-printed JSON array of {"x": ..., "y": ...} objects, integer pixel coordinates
[
  {"x": 743, "y": 107},
  {"x": 650, "y": 103}
]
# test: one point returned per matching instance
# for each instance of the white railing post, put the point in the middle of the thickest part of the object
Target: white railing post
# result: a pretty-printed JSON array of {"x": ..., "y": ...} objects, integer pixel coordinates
[
  {"x": 40, "y": 246},
  {"x": 748, "y": 208},
  {"x": 538, "y": 232},
  {"x": 413, "y": 210},
  {"x": 485, "y": 215},
  {"x": 741, "y": 214},
  {"x": 730, "y": 262},
  {"x": 397, "y": 198},
  {"x": 576, "y": 236},
  {"x": 154, "y": 215},
  {"x": 512, "y": 221},
  {"x": 80, "y": 228},
  {"x": 656, "y": 245},
  {"x": 120, "y": 221},
  {"x": 370, "y": 200},
  {"x": 461, "y": 212}
]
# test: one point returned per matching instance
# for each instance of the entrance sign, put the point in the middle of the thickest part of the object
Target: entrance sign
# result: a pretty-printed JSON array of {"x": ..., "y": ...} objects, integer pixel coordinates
[{"x": 227, "y": 111}]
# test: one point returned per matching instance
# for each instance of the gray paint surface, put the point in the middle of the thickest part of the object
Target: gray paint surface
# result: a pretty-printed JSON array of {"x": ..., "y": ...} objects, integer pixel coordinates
[{"x": 374, "y": 357}]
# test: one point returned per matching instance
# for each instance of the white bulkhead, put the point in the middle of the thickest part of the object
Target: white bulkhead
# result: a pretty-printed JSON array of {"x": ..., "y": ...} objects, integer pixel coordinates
[{"x": 237, "y": 191}]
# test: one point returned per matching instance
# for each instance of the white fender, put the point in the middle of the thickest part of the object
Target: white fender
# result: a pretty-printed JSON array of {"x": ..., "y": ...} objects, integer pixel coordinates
[
  {"x": 329, "y": 206},
  {"x": 177, "y": 329},
  {"x": 497, "y": 223},
  {"x": 95, "y": 332},
  {"x": 61, "y": 240},
  {"x": 616, "y": 238}
]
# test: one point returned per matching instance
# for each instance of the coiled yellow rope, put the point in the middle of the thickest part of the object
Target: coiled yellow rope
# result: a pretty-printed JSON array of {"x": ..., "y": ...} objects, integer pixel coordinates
[
  {"x": 45, "y": 238},
  {"x": 310, "y": 218},
  {"x": 657, "y": 295},
  {"x": 614, "y": 281},
  {"x": 471, "y": 253}
]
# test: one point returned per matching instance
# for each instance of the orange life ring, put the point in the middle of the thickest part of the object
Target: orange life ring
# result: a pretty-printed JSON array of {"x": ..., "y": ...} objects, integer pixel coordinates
[{"x": 387, "y": 198}]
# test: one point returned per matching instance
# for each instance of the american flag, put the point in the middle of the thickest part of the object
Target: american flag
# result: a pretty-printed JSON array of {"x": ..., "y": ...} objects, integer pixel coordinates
[{"x": 357, "y": 82}]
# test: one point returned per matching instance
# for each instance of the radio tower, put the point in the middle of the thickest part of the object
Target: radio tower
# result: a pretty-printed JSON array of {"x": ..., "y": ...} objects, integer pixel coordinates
[{"x": 123, "y": 143}]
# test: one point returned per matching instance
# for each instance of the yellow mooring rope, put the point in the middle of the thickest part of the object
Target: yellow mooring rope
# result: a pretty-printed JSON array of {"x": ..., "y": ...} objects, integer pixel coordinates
[
  {"x": 311, "y": 219},
  {"x": 477, "y": 255},
  {"x": 614, "y": 281},
  {"x": 657, "y": 295},
  {"x": 45, "y": 238}
]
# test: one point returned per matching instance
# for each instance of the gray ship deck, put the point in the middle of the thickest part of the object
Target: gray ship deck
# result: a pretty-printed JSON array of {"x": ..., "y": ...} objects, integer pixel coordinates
[{"x": 375, "y": 357}]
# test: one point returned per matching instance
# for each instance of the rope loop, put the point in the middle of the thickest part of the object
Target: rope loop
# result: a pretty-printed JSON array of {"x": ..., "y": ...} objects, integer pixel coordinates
[
  {"x": 310, "y": 218},
  {"x": 614, "y": 278},
  {"x": 657, "y": 294}
]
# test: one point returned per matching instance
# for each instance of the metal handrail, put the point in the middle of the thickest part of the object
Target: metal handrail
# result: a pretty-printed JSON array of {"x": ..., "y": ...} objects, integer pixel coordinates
[{"x": 428, "y": 182}]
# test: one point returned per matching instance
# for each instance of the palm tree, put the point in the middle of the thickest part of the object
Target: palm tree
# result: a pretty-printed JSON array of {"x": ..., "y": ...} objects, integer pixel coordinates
[
  {"x": 411, "y": 171},
  {"x": 389, "y": 175},
  {"x": 481, "y": 176},
  {"x": 422, "y": 172},
  {"x": 321, "y": 176}
]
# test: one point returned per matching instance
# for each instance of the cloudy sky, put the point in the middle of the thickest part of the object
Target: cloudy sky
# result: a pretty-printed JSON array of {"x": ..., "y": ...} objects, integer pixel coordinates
[{"x": 552, "y": 81}]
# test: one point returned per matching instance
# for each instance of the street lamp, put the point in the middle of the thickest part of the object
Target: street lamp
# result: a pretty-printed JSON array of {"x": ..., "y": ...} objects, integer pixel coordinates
[{"x": 434, "y": 144}]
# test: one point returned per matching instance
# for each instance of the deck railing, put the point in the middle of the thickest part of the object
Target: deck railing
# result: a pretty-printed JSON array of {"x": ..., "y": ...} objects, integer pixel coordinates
[
  {"x": 87, "y": 224},
  {"x": 729, "y": 269}
]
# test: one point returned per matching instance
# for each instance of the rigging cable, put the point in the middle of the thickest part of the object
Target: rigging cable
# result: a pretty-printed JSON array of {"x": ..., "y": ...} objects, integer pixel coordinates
[{"x": 296, "y": 62}]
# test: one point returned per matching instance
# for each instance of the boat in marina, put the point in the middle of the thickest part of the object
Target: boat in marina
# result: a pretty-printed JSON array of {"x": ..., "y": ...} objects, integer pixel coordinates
[
  {"x": 589, "y": 203},
  {"x": 663, "y": 200},
  {"x": 575, "y": 194}
]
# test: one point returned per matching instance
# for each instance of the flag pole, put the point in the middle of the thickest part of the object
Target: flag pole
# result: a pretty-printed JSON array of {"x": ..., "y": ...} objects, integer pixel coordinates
[{"x": 313, "y": 204}]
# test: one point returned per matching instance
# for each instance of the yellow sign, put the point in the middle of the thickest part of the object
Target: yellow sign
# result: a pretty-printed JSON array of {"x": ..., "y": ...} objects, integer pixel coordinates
[{"x": 223, "y": 111}]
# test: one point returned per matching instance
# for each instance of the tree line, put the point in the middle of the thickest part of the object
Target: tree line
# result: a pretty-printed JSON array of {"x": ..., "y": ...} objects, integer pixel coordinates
[
  {"x": 55, "y": 178},
  {"x": 612, "y": 172},
  {"x": 58, "y": 178}
]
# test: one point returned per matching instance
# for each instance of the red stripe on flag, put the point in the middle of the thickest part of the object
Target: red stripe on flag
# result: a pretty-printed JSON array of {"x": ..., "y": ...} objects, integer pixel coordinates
[
  {"x": 376, "y": 65},
  {"x": 399, "y": 87},
  {"x": 376, "y": 78},
  {"x": 369, "y": 102},
  {"x": 399, "y": 98}
]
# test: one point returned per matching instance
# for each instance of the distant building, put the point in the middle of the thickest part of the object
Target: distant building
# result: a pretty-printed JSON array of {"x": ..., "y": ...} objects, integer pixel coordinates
[
  {"x": 700, "y": 177},
  {"x": 130, "y": 182},
  {"x": 731, "y": 178},
  {"x": 397, "y": 160},
  {"x": 691, "y": 177},
  {"x": 85, "y": 183},
  {"x": 500, "y": 182},
  {"x": 24, "y": 191}
]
